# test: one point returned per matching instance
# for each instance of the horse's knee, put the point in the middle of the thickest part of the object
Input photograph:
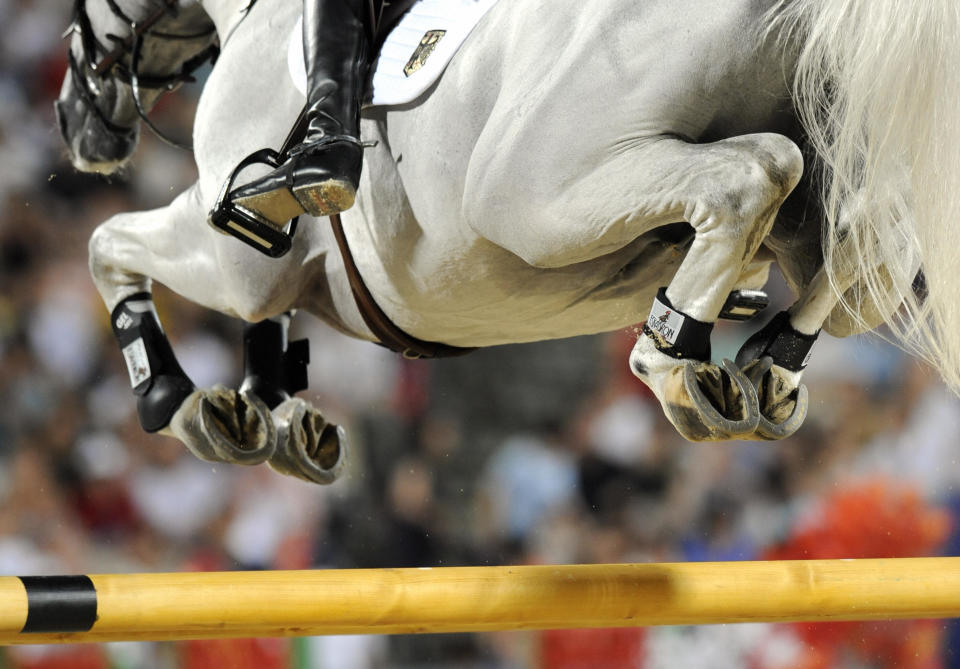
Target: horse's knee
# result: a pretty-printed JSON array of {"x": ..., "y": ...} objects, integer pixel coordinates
[
  {"x": 99, "y": 251},
  {"x": 774, "y": 162},
  {"x": 105, "y": 260}
]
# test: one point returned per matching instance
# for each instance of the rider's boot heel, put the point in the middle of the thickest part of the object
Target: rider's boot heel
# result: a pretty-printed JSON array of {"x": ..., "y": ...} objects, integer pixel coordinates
[
  {"x": 320, "y": 181},
  {"x": 327, "y": 197},
  {"x": 328, "y": 173},
  {"x": 279, "y": 205}
]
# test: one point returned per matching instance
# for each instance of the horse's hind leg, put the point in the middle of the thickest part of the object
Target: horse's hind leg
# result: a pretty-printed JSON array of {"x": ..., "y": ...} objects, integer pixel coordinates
[
  {"x": 774, "y": 358},
  {"x": 731, "y": 199},
  {"x": 729, "y": 191}
]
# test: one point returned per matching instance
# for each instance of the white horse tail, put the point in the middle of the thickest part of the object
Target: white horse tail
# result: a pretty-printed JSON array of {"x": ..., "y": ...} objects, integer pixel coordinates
[{"x": 878, "y": 90}]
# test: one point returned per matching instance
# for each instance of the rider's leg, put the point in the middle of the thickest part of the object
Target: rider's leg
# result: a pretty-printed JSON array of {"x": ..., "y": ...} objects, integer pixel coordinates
[{"x": 322, "y": 174}]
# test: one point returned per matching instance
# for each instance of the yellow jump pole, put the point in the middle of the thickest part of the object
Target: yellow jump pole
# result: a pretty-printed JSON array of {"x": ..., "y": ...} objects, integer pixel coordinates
[{"x": 113, "y": 607}]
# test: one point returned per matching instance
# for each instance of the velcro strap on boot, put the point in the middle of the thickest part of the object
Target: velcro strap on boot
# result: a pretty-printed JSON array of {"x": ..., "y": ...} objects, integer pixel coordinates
[
  {"x": 295, "y": 361},
  {"x": 274, "y": 369},
  {"x": 675, "y": 333},
  {"x": 788, "y": 347}
]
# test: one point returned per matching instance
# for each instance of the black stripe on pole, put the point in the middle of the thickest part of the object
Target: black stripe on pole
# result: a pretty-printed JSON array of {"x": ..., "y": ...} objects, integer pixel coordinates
[{"x": 59, "y": 604}]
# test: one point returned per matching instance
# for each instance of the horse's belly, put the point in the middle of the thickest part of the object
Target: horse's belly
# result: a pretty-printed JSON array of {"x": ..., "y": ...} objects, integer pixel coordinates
[{"x": 487, "y": 297}]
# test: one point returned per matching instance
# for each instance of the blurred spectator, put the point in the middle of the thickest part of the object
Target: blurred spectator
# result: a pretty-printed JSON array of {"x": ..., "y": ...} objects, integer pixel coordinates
[
  {"x": 529, "y": 478},
  {"x": 716, "y": 535},
  {"x": 177, "y": 495},
  {"x": 269, "y": 512}
]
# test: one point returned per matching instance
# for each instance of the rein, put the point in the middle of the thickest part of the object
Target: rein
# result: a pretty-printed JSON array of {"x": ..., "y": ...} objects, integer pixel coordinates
[{"x": 112, "y": 60}]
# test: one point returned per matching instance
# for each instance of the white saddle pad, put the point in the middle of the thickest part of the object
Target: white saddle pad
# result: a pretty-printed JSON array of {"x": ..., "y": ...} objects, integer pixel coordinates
[{"x": 415, "y": 53}]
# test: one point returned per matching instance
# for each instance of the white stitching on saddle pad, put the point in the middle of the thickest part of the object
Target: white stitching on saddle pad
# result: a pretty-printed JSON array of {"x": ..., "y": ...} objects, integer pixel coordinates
[{"x": 415, "y": 53}]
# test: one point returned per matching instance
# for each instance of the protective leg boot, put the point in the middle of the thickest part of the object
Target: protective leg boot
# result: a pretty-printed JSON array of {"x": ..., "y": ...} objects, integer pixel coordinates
[{"x": 323, "y": 172}]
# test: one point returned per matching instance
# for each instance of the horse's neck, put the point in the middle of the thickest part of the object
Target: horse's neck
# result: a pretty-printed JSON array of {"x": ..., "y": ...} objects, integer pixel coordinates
[{"x": 226, "y": 14}]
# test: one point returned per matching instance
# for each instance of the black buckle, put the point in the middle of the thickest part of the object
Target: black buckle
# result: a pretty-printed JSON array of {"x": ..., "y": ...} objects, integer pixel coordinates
[
  {"x": 246, "y": 225},
  {"x": 742, "y": 305}
]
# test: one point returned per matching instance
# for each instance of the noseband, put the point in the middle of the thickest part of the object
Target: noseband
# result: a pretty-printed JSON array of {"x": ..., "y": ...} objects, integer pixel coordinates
[{"x": 104, "y": 60}]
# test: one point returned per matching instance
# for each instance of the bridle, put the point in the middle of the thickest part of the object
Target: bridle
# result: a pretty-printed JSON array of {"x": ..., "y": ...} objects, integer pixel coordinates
[{"x": 104, "y": 60}]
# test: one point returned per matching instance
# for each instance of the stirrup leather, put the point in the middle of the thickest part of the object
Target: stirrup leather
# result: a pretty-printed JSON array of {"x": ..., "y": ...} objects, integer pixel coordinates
[{"x": 245, "y": 224}]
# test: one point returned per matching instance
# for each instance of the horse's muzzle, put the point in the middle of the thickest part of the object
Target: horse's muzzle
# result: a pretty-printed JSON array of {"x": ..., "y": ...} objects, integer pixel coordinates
[{"x": 92, "y": 145}]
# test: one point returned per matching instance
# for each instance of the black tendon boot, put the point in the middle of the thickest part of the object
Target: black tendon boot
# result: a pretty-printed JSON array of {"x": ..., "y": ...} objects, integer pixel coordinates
[
  {"x": 158, "y": 381},
  {"x": 322, "y": 174}
]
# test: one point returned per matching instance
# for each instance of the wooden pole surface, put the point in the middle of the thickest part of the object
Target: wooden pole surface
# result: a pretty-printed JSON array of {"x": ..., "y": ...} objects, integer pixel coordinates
[{"x": 459, "y": 599}]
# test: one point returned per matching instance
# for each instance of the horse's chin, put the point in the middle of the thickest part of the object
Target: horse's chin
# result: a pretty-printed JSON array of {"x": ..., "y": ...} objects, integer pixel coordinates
[{"x": 105, "y": 167}]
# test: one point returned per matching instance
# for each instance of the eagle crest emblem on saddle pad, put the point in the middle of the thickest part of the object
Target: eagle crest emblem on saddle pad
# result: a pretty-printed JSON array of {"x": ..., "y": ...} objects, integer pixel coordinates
[
  {"x": 415, "y": 53},
  {"x": 423, "y": 51}
]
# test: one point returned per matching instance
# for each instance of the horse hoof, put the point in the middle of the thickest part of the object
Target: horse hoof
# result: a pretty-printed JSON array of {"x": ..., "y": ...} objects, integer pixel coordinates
[
  {"x": 238, "y": 426},
  {"x": 706, "y": 402},
  {"x": 308, "y": 447},
  {"x": 221, "y": 425},
  {"x": 783, "y": 407}
]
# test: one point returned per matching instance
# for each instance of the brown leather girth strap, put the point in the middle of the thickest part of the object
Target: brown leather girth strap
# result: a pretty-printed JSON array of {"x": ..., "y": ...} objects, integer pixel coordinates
[{"x": 379, "y": 323}]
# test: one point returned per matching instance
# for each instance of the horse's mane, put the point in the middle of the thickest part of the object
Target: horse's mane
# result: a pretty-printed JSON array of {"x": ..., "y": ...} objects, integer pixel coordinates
[{"x": 877, "y": 87}]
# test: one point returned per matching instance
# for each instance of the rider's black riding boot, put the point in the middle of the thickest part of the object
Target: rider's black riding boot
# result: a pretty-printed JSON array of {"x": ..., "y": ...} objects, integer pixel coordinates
[{"x": 322, "y": 174}]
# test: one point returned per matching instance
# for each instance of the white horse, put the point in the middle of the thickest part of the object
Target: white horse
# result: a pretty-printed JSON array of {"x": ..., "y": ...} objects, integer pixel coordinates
[{"x": 573, "y": 159}]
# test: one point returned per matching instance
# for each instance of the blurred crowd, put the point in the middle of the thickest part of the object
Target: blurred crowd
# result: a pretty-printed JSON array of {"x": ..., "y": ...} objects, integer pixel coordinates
[{"x": 538, "y": 454}]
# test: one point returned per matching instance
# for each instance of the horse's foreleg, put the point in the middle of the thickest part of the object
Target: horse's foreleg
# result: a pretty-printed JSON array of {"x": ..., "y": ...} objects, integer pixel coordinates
[
  {"x": 308, "y": 446},
  {"x": 126, "y": 252}
]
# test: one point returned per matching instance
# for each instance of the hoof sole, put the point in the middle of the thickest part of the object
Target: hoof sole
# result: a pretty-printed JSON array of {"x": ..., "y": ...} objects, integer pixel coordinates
[
  {"x": 221, "y": 425},
  {"x": 698, "y": 417},
  {"x": 780, "y": 414},
  {"x": 308, "y": 447}
]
